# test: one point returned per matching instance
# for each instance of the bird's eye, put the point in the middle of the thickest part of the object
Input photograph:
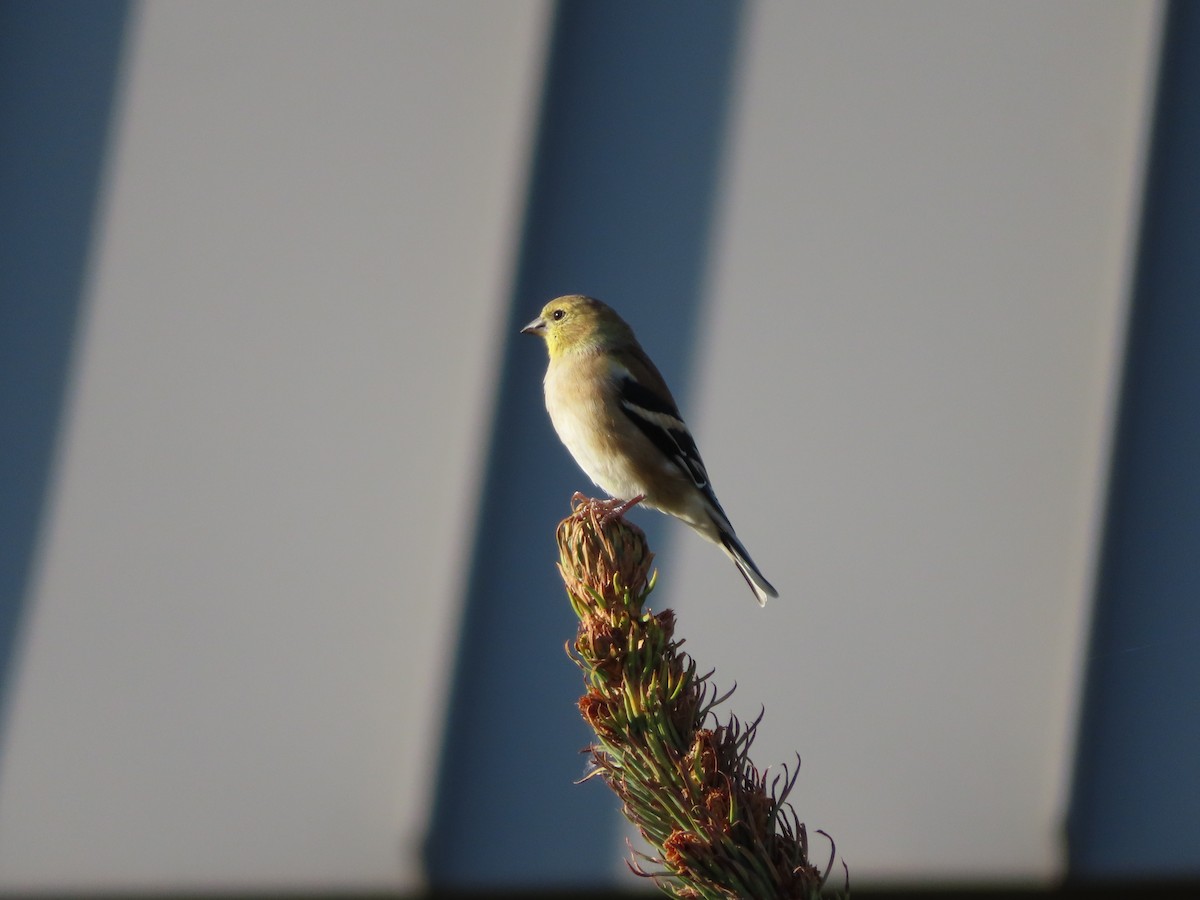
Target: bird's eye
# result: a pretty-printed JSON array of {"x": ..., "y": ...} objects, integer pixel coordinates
[{"x": 557, "y": 315}]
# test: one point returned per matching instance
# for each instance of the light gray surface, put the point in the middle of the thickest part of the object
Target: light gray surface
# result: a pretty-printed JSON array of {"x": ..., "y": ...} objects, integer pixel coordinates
[{"x": 235, "y": 662}]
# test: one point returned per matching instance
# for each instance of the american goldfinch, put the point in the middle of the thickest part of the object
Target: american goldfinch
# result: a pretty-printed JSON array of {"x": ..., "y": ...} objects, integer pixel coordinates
[{"x": 612, "y": 410}]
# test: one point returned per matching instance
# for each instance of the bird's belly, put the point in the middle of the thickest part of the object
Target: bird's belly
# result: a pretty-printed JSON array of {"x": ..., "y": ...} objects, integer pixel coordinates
[{"x": 595, "y": 445}]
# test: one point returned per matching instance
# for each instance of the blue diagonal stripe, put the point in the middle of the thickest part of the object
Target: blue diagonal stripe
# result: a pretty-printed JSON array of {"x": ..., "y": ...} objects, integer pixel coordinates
[
  {"x": 621, "y": 204},
  {"x": 1136, "y": 797},
  {"x": 58, "y": 72}
]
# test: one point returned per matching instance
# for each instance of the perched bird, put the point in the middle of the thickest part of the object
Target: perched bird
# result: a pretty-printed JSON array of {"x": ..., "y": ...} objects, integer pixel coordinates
[{"x": 612, "y": 409}]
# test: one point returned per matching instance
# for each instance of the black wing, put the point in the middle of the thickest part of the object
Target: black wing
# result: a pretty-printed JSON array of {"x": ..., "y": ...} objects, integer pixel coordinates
[{"x": 658, "y": 419}]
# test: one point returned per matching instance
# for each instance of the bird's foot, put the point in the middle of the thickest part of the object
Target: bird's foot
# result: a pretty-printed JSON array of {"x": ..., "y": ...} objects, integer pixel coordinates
[
  {"x": 614, "y": 508},
  {"x": 603, "y": 511}
]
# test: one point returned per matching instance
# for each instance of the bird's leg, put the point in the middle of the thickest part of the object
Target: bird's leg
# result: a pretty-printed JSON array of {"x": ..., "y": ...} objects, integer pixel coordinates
[{"x": 615, "y": 508}]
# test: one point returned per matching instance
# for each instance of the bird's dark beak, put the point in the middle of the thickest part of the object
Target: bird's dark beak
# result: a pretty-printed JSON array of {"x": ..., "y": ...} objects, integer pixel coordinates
[{"x": 537, "y": 326}]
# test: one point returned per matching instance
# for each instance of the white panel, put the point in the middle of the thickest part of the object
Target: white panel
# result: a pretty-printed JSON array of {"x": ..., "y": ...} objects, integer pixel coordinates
[
  {"x": 918, "y": 298},
  {"x": 234, "y": 672}
]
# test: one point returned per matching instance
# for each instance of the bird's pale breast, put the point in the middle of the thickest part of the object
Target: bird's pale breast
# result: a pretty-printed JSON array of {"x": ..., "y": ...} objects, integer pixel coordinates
[{"x": 587, "y": 424}]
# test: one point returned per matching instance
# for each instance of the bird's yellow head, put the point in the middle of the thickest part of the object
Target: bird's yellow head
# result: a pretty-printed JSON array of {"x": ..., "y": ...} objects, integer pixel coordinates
[{"x": 577, "y": 323}]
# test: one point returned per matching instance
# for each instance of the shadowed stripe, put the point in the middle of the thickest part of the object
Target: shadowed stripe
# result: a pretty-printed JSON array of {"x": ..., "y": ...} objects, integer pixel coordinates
[
  {"x": 59, "y": 63},
  {"x": 627, "y": 84}
]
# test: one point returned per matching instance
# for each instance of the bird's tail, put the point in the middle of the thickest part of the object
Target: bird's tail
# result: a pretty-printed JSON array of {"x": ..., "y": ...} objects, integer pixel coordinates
[{"x": 733, "y": 548}]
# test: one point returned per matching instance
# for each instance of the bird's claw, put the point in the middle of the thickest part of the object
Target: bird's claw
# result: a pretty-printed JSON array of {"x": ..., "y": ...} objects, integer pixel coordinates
[
  {"x": 603, "y": 511},
  {"x": 614, "y": 508}
]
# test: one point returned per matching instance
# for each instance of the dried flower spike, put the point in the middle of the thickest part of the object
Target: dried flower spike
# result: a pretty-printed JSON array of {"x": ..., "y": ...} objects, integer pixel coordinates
[{"x": 721, "y": 828}]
